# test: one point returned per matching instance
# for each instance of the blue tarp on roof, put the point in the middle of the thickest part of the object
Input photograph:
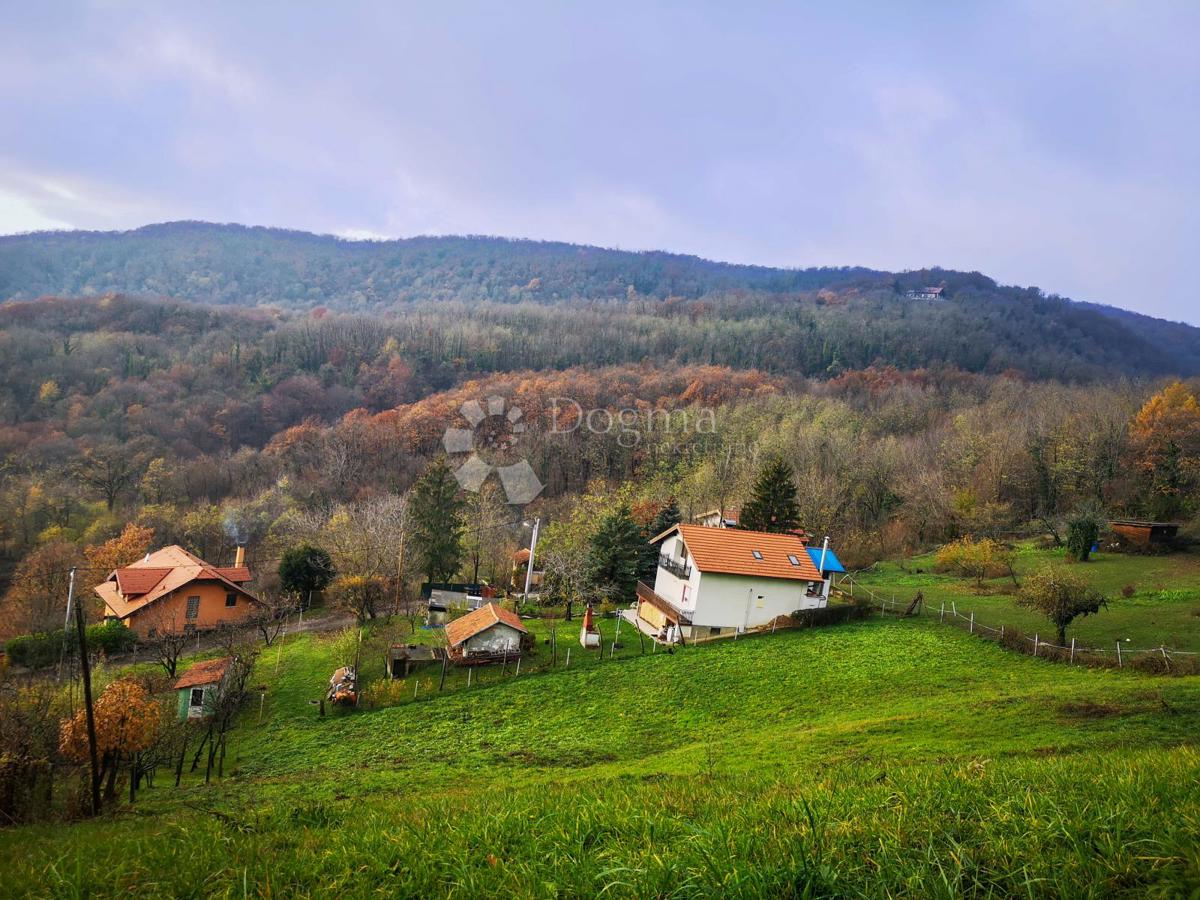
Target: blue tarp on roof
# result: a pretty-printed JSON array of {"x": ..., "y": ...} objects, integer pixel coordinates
[{"x": 832, "y": 563}]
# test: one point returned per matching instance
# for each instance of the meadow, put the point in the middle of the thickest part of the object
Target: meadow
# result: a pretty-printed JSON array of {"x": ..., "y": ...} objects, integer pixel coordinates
[
  {"x": 1162, "y": 609},
  {"x": 879, "y": 758}
]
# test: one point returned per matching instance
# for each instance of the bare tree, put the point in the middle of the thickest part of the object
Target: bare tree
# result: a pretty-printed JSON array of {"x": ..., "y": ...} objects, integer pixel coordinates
[
  {"x": 166, "y": 641},
  {"x": 271, "y": 615}
]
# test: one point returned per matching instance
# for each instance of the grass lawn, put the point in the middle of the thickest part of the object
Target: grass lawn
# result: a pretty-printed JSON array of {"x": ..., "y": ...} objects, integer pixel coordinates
[
  {"x": 1164, "y": 609},
  {"x": 881, "y": 758}
]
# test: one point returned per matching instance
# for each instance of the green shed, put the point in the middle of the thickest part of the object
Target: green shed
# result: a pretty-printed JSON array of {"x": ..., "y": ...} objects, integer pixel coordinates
[{"x": 201, "y": 686}]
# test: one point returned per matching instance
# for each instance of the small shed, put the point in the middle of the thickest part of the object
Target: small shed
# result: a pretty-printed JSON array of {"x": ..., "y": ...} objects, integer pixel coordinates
[
  {"x": 1143, "y": 533},
  {"x": 487, "y": 634},
  {"x": 200, "y": 687},
  {"x": 403, "y": 658}
]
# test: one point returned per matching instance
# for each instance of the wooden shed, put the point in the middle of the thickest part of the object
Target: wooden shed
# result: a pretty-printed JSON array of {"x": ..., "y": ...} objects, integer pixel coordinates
[
  {"x": 200, "y": 687},
  {"x": 1144, "y": 533}
]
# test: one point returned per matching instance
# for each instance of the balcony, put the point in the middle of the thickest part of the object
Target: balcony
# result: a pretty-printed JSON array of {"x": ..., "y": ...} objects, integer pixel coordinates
[
  {"x": 663, "y": 605},
  {"x": 674, "y": 566}
]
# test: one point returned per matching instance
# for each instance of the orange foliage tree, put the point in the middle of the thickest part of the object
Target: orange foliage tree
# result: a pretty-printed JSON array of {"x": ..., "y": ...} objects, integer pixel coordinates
[
  {"x": 128, "y": 547},
  {"x": 128, "y": 722},
  {"x": 1166, "y": 442}
]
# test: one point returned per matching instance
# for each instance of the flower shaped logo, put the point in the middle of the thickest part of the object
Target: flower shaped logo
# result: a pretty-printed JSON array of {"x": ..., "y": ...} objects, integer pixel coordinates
[{"x": 495, "y": 429}]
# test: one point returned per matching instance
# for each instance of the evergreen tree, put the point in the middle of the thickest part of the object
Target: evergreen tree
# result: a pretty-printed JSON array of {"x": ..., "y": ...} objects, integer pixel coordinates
[
  {"x": 615, "y": 556},
  {"x": 438, "y": 522},
  {"x": 663, "y": 519},
  {"x": 305, "y": 569},
  {"x": 773, "y": 505}
]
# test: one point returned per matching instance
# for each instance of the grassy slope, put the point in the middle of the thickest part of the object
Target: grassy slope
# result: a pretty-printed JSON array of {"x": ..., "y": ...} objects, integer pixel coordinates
[
  {"x": 1165, "y": 608},
  {"x": 882, "y": 757}
]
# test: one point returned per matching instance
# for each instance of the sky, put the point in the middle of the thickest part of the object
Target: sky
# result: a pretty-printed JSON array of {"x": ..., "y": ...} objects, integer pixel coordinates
[{"x": 1042, "y": 143}]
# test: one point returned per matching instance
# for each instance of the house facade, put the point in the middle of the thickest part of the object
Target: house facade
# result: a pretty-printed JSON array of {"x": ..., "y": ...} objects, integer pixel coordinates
[
  {"x": 713, "y": 581},
  {"x": 174, "y": 590}
]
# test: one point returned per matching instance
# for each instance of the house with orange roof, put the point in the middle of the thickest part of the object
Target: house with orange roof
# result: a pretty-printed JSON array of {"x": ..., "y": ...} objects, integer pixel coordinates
[
  {"x": 172, "y": 590},
  {"x": 487, "y": 634},
  {"x": 713, "y": 581}
]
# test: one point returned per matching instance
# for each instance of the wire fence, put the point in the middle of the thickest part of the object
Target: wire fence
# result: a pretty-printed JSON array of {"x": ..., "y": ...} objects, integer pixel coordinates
[{"x": 1120, "y": 655}]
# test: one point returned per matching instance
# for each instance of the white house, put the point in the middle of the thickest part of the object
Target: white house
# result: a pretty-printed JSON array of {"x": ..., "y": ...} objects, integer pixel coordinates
[
  {"x": 490, "y": 631},
  {"x": 715, "y": 580}
]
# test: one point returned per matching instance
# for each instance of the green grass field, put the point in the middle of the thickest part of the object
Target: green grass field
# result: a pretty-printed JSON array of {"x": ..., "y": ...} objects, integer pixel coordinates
[
  {"x": 1164, "y": 608},
  {"x": 883, "y": 758}
]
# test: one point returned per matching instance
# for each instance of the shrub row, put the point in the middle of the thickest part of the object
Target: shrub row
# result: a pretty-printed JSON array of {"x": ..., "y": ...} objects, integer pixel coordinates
[{"x": 35, "y": 651}]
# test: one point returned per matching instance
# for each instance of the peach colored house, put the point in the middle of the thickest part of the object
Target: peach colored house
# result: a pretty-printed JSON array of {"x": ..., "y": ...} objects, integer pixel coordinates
[{"x": 173, "y": 590}]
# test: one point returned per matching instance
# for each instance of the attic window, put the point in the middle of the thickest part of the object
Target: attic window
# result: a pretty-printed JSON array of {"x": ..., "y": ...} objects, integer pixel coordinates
[
  {"x": 757, "y": 554},
  {"x": 793, "y": 560}
]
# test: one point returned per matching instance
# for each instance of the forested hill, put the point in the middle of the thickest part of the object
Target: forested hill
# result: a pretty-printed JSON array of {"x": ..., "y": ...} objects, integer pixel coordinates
[
  {"x": 674, "y": 308},
  {"x": 251, "y": 266}
]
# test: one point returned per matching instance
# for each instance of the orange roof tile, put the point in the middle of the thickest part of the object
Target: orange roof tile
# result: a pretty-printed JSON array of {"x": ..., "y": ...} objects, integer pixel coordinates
[
  {"x": 480, "y": 620},
  {"x": 731, "y": 551},
  {"x": 209, "y": 671}
]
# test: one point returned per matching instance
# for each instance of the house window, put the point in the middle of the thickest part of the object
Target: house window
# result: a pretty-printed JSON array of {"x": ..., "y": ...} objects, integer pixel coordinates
[
  {"x": 714, "y": 631},
  {"x": 757, "y": 554},
  {"x": 684, "y": 598},
  {"x": 231, "y": 599},
  {"x": 193, "y": 607},
  {"x": 197, "y": 697},
  {"x": 793, "y": 560},
  {"x": 151, "y": 633}
]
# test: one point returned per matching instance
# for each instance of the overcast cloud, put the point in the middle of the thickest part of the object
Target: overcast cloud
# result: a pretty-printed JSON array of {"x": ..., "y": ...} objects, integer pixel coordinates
[{"x": 1041, "y": 143}]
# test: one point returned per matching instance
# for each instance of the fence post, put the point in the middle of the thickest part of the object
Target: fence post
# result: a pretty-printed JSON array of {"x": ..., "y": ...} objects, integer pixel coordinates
[
  {"x": 1120, "y": 665},
  {"x": 1002, "y": 631},
  {"x": 972, "y": 628},
  {"x": 942, "y": 614},
  {"x": 1072, "y": 659},
  {"x": 1035, "y": 643},
  {"x": 470, "y": 672},
  {"x": 1166, "y": 659},
  {"x": 954, "y": 608},
  {"x": 568, "y": 663},
  {"x": 416, "y": 685},
  {"x": 518, "y": 672}
]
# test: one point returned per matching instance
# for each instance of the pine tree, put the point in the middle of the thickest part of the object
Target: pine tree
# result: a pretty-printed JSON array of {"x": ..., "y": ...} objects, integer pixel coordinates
[
  {"x": 773, "y": 505},
  {"x": 663, "y": 519},
  {"x": 615, "y": 555},
  {"x": 438, "y": 522}
]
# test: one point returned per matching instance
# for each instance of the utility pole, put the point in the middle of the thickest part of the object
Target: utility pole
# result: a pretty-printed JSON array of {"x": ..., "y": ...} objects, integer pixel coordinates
[
  {"x": 537, "y": 524},
  {"x": 86, "y": 671},
  {"x": 66, "y": 624}
]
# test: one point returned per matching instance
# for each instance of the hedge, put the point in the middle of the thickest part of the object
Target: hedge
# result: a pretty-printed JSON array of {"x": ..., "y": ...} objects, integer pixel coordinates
[{"x": 35, "y": 651}]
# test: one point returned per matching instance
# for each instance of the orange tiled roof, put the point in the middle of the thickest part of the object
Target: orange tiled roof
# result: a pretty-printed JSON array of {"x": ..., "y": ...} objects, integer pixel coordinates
[
  {"x": 731, "y": 551},
  {"x": 133, "y": 582},
  {"x": 208, "y": 672},
  {"x": 480, "y": 620},
  {"x": 136, "y": 586}
]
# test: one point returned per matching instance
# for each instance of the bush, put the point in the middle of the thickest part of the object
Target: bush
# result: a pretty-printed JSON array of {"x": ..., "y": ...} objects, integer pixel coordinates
[
  {"x": 1083, "y": 530},
  {"x": 980, "y": 559},
  {"x": 36, "y": 651},
  {"x": 830, "y": 615},
  {"x": 1128, "y": 591}
]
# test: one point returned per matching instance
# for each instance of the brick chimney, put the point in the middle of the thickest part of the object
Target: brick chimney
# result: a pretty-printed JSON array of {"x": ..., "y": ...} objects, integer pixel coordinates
[{"x": 239, "y": 559}]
